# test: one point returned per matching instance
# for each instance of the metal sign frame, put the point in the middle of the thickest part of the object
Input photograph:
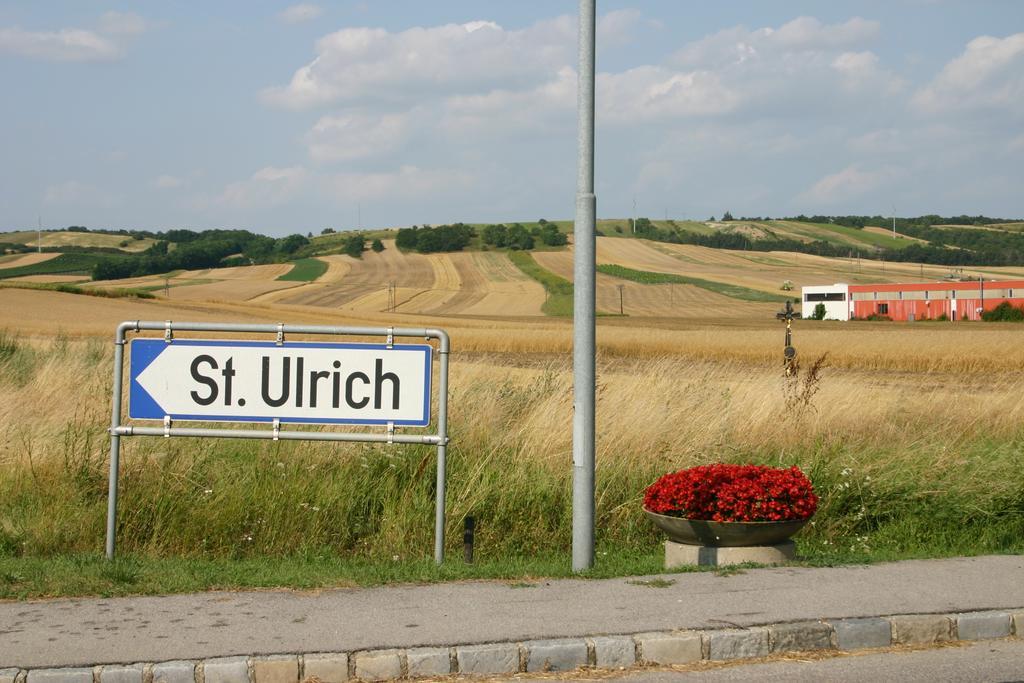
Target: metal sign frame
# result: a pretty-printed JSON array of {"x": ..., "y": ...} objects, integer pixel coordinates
[{"x": 118, "y": 428}]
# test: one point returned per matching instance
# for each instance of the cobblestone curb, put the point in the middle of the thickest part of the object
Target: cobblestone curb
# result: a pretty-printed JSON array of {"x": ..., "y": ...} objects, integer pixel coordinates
[{"x": 561, "y": 654}]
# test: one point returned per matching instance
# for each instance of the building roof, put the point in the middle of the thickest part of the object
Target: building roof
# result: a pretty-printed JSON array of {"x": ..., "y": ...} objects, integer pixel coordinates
[{"x": 945, "y": 285}]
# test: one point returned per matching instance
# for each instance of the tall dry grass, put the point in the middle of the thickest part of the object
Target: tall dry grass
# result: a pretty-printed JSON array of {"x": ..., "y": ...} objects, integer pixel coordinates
[
  {"x": 920, "y": 348},
  {"x": 901, "y": 457}
]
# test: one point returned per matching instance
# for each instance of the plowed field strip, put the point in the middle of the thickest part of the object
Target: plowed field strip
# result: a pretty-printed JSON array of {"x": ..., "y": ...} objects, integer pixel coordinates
[
  {"x": 681, "y": 301},
  {"x": 48, "y": 278},
  {"x": 20, "y": 260},
  {"x": 337, "y": 268},
  {"x": 228, "y": 290},
  {"x": 370, "y": 274},
  {"x": 470, "y": 284},
  {"x": 266, "y": 272},
  {"x": 508, "y": 291}
]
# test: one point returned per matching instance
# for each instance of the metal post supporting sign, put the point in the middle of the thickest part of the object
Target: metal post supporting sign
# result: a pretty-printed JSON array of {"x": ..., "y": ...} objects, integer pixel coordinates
[
  {"x": 584, "y": 266},
  {"x": 279, "y": 382}
]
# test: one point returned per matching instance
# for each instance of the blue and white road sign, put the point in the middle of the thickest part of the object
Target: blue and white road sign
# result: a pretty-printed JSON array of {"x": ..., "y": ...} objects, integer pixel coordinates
[{"x": 297, "y": 382}]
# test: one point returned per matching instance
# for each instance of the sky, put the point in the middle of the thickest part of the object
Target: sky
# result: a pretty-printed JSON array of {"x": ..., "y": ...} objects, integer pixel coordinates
[{"x": 281, "y": 117}]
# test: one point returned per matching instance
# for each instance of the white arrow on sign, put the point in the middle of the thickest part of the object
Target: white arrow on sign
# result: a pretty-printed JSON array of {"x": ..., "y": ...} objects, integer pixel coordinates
[{"x": 297, "y": 382}]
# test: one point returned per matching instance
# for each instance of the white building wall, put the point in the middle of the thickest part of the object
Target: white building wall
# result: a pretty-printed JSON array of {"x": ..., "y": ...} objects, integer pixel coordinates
[{"x": 835, "y": 297}]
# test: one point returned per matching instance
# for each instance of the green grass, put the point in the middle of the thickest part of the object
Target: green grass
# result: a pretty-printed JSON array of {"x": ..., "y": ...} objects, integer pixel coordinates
[
  {"x": 71, "y": 238},
  {"x": 116, "y": 293},
  {"x": 305, "y": 270},
  {"x": 65, "y": 264},
  {"x": 333, "y": 242},
  {"x": 871, "y": 238},
  {"x": 839, "y": 235},
  {"x": 623, "y": 227},
  {"x": 91, "y": 574},
  {"x": 197, "y": 514},
  {"x": 175, "y": 538},
  {"x": 559, "y": 300},
  {"x": 649, "y": 278}
]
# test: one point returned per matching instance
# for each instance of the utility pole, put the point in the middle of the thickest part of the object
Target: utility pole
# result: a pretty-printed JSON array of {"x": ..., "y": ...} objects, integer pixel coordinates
[
  {"x": 981, "y": 281},
  {"x": 584, "y": 270},
  {"x": 39, "y": 239},
  {"x": 621, "y": 287},
  {"x": 634, "y": 215}
]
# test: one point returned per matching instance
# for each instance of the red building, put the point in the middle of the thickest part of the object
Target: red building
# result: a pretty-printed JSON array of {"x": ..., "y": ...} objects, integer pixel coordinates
[{"x": 955, "y": 300}]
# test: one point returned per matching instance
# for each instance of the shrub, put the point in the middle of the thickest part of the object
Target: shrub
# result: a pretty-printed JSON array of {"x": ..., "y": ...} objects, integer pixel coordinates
[
  {"x": 355, "y": 245},
  {"x": 1004, "y": 312},
  {"x": 377, "y": 245},
  {"x": 733, "y": 493},
  {"x": 550, "y": 235},
  {"x": 819, "y": 312}
]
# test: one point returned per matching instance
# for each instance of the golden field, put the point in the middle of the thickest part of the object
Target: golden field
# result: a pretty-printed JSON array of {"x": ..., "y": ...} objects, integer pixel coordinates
[{"x": 912, "y": 415}]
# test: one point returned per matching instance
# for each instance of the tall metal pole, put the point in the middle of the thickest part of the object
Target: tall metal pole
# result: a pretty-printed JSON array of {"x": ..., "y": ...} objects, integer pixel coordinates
[
  {"x": 444, "y": 349},
  {"x": 583, "y": 303},
  {"x": 115, "y": 443}
]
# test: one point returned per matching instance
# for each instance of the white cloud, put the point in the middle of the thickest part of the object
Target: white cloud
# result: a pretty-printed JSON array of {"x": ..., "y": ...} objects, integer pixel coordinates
[
  {"x": 409, "y": 182},
  {"x": 65, "y": 45},
  {"x": 850, "y": 183},
  {"x": 539, "y": 108},
  {"x": 74, "y": 192},
  {"x": 166, "y": 182},
  {"x": 988, "y": 75},
  {"x": 268, "y": 187},
  {"x": 75, "y": 44},
  {"x": 738, "y": 45},
  {"x": 886, "y": 141},
  {"x": 360, "y": 64},
  {"x": 357, "y": 136},
  {"x": 122, "y": 23},
  {"x": 616, "y": 28},
  {"x": 69, "y": 191},
  {"x": 304, "y": 11},
  {"x": 805, "y": 33},
  {"x": 798, "y": 68},
  {"x": 861, "y": 71},
  {"x": 652, "y": 92}
]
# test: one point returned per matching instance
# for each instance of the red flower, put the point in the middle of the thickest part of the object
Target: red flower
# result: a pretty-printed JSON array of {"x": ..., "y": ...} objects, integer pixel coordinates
[{"x": 733, "y": 493}]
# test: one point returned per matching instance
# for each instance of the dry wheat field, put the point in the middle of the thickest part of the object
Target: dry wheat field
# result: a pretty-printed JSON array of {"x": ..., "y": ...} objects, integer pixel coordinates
[{"x": 915, "y": 413}]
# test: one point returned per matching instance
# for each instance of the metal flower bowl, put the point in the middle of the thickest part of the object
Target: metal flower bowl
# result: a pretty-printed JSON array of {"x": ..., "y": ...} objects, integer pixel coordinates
[{"x": 724, "y": 534}]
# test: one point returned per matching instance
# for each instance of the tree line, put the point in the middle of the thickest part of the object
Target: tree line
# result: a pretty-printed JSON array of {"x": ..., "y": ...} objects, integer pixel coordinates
[
  {"x": 517, "y": 236},
  {"x": 428, "y": 240},
  {"x": 949, "y": 246},
  {"x": 196, "y": 250}
]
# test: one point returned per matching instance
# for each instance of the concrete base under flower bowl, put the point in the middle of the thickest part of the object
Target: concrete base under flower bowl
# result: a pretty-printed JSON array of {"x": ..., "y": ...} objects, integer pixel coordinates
[{"x": 681, "y": 554}]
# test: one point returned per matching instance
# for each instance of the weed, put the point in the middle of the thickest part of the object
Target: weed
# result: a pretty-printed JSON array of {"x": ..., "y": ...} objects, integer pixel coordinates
[
  {"x": 653, "y": 583},
  {"x": 305, "y": 270},
  {"x": 800, "y": 387},
  {"x": 121, "y": 570},
  {"x": 559, "y": 291},
  {"x": 650, "y": 278}
]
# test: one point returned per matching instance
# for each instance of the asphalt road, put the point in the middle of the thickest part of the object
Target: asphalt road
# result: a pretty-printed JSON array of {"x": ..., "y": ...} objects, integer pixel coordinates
[
  {"x": 979, "y": 662},
  {"x": 97, "y": 631}
]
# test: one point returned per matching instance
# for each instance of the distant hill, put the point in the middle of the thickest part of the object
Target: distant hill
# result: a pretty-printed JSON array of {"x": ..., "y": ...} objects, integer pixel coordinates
[
  {"x": 957, "y": 241},
  {"x": 60, "y": 239}
]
